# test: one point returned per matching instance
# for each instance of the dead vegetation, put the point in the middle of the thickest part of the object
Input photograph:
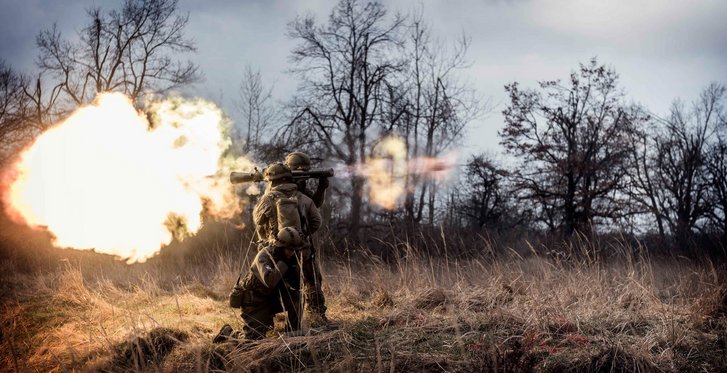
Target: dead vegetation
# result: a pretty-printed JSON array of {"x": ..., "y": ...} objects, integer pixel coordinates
[{"x": 521, "y": 313}]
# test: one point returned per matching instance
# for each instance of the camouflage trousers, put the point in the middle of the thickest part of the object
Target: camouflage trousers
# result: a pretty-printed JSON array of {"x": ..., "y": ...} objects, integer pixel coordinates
[
  {"x": 258, "y": 313},
  {"x": 312, "y": 281}
]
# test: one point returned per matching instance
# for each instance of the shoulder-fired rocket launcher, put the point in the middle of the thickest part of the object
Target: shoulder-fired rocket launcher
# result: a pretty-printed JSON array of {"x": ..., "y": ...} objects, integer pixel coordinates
[{"x": 244, "y": 177}]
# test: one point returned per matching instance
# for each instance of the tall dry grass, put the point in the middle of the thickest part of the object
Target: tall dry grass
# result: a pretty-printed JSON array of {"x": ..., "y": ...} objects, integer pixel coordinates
[{"x": 568, "y": 309}]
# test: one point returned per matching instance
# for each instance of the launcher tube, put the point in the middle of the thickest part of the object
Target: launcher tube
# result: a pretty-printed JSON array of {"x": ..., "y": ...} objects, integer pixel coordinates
[{"x": 246, "y": 177}]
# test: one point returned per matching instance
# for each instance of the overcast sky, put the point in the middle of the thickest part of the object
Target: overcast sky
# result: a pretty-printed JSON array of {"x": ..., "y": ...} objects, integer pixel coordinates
[{"x": 662, "y": 49}]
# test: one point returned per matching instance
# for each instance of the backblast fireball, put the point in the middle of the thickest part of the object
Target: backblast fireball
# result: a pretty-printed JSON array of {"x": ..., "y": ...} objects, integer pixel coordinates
[{"x": 107, "y": 179}]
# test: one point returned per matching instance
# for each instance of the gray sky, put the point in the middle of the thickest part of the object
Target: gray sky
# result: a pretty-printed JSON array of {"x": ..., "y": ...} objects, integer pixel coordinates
[{"x": 662, "y": 49}]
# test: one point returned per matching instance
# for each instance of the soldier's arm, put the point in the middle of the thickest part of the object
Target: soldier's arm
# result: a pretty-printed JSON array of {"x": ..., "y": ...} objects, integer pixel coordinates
[
  {"x": 260, "y": 216},
  {"x": 268, "y": 270},
  {"x": 303, "y": 188},
  {"x": 314, "y": 218},
  {"x": 320, "y": 195}
]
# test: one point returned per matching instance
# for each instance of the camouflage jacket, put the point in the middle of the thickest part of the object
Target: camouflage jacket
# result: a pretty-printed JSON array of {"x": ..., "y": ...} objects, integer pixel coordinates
[
  {"x": 265, "y": 218},
  {"x": 269, "y": 272},
  {"x": 320, "y": 194}
]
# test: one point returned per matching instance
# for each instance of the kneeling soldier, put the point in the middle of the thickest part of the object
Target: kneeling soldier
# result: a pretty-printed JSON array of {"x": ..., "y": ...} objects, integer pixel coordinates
[{"x": 272, "y": 286}]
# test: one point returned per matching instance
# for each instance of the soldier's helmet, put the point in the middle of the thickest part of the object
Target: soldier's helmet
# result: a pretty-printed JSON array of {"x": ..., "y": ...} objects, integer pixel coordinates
[
  {"x": 289, "y": 237},
  {"x": 277, "y": 171},
  {"x": 298, "y": 161}
]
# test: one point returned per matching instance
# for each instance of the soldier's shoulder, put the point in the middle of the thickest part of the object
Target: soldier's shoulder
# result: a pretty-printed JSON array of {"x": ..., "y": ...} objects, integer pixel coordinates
[
  {"x": 269, "y": 196},
  {"x": 303, "y": 196}
]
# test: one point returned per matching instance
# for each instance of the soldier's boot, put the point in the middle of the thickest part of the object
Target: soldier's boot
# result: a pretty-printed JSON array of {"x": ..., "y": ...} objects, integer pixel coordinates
[
  {"x": 319, "y": 321},
  {"x": 315, "y": 300},
  {"x": 223, "y": 335},
  {"x": 316, "y": 305},
  {"x": 316, "y": 309}
]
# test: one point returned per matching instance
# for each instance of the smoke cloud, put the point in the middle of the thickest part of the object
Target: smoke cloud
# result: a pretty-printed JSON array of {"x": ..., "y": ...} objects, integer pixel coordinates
[{"x": 391, "y": 173}]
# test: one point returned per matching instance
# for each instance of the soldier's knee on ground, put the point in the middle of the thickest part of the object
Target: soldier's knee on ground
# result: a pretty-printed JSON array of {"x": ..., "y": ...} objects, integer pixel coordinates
[
  {"x": 255, "y": 331},
  {"x": 258, "y": 320}
]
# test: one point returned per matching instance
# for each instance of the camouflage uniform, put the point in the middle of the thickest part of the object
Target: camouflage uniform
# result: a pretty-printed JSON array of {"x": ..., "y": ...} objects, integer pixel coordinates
[
  {"x": 266, "y": 225},
  {"x": 266, "y": 228},
  {"x": 270, "y": 287},
  {"x": 312, "y": 278},
  {"x": 301, "y": 161}
]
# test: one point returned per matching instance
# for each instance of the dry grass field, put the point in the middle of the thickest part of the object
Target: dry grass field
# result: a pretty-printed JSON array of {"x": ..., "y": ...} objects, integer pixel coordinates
[{"x": 499, "y": 313}]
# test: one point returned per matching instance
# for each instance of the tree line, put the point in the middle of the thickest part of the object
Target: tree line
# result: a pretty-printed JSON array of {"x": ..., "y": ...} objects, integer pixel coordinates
[
  {"x": 587, "y": 161},
  {"x": 577, "y": 158}
]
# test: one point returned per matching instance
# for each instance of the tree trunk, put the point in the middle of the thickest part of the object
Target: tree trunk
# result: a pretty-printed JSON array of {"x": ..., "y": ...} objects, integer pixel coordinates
[
  {"x": 357, "y": 184},
  {"x": 432, "y": 197},
  {"x": 569, "y": 208}
]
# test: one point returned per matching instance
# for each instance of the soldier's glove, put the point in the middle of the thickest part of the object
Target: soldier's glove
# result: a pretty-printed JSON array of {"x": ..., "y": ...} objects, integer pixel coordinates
[
  {"x": 323, "y": 182},
  {"x": 292, "y": 264},
  {"x": 279, "y": 254},
  {"x": 282, "y": 254}
]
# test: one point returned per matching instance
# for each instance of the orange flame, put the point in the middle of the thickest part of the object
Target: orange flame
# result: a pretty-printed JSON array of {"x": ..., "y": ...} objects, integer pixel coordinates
[{"x": 103, "y": 180}]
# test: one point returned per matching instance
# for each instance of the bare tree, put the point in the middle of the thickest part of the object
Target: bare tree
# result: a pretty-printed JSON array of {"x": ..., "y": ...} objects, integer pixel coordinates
[
  {"x": 713, "y": 101},
  {"x": 573, "y": 141},
  {"x": 485, "y": 201},
  {"x": 437, "y": 107},
  {"x": 343, "y": 66},
  {"x": 644, "y": 187},
  {"x": 12, "y": 107},
  {"x": 681, "y": 170},
  {"x": 258, "y": 113},
  {"x": 717, "y": 177},
  {"x": 128, "y": 50},
  {"x": 17, "y": 120},
  {"x": 680, "y": 163}
]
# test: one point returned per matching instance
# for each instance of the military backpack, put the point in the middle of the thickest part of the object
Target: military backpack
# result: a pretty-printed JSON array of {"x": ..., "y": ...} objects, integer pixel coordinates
[{"x": 286, "y": 213}]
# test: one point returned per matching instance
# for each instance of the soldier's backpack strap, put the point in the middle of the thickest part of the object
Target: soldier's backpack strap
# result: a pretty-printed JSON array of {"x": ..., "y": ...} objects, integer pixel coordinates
[
  {"x": 303, "y": 223},
  {"x": 272, "y": 197}
]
